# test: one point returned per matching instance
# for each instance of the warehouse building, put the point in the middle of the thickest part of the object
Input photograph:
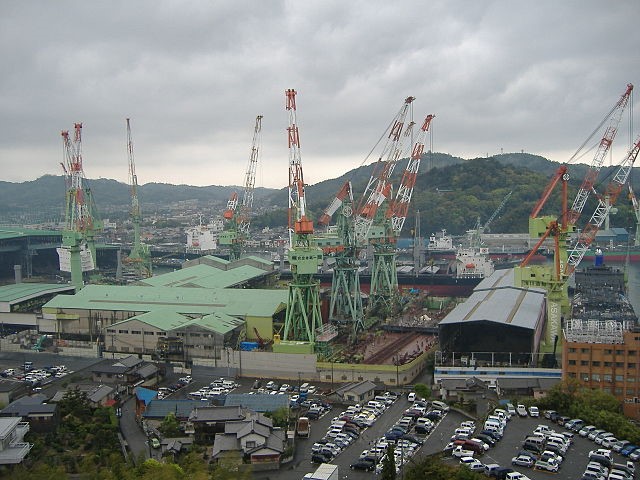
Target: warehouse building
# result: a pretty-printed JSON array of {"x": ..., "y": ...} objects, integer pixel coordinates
[{"x": 497, "y": 324}]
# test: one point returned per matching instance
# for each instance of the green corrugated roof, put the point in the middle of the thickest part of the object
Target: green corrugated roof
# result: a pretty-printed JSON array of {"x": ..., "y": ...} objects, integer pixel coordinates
[
  {"x": 18, "y": 291},
  {"x": 205, "y": 276},
  {"x": 234, "y": 302},
  {"x": 168, "y": 320},
  {"x": 8, "y": 233}
]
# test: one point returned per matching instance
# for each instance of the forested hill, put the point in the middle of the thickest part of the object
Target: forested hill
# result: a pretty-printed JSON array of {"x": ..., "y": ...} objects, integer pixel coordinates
[{"x": 450, "y": 193}]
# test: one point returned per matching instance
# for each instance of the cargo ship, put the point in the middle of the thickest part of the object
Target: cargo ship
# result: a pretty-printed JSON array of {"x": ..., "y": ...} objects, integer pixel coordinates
[{"x": 616, "y": 254}]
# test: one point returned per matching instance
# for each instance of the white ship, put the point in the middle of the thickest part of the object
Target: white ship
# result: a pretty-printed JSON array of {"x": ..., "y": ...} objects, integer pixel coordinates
[
  {"x": 440, "y": 242},
  {"x": 204, "y": 238},
  {"x": 474, "y": 263}
]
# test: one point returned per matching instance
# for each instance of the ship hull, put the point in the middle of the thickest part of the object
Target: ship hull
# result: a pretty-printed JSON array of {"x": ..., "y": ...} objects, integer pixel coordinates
[{"x": 439, "y": 285}]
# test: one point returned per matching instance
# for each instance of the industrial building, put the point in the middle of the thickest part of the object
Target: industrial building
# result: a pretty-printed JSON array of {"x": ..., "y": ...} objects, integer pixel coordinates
[{"x": 497, "y": 324}]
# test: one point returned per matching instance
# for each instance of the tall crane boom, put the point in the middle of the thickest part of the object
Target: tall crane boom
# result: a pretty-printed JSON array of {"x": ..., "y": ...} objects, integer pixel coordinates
[
  {"x": 78, "y": 217},
  {"x": 378, "y": 188},
  {"x": 133, "y": 185},
  {"x": 299, "y": 224},
  {"x": 605, "y": 202},
  {"x": 615, "y": 115},
  {"x": 238, "y": 213},
  {"x": 399, "y": 207}
]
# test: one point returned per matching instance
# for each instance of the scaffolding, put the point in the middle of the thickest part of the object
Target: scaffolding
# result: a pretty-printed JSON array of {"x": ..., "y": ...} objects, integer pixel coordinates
[{"x": 596, "y": 331}]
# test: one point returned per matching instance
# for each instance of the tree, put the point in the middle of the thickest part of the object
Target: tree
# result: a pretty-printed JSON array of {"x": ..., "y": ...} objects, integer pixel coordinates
[
  {"x": 280, "y": 417},
  {"x": 170, "y": 426},
  {"x": 422, "y": 390},
  {"x": 388, "y": 465}
]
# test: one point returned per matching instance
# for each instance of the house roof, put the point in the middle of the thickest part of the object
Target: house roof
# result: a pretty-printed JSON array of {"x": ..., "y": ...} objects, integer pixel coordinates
[
  {"x": 148, "y": 370},
  {"x": 95, "y": 392},
  {"x": 145, "y": 394},
  {"x": 358, "y": 388},
  {"x": 161, "y": 408},
  {"x": 233, "y": 302},
  {"x": 259, "y": 402},
  {"x": 28, "y": 405},
  {"x": 248, "y": 427},
  {"x": 216, "y": 414},
  {"x": 224, "y": 443},
  {"x": 10, "y": 385}
]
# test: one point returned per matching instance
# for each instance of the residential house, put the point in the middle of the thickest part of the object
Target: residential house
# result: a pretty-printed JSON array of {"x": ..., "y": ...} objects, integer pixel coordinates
[
  {"x": 13, "y": 448},
  {"x": 42, "y": 416},
  {"x": 254, "y": 438},
  {"x": 358, "y": 392}
]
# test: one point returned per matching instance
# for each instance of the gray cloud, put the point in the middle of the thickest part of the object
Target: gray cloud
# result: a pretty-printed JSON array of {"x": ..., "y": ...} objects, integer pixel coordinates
[{"x": 192, "y": 76}]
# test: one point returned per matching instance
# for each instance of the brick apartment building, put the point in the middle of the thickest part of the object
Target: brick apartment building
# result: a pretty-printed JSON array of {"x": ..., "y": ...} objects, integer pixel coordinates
[{"x": 606, "y": 357}]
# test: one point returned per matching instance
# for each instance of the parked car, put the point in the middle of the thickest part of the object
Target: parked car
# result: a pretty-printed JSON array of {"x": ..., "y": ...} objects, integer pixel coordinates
[
  {"x": 521, "y": 410},
  {"x": 523, "y": 461},
  {"x": 549, "y": 465},
  {"x": 533, "y": 411},
  {"x": 362, "y": 464}
]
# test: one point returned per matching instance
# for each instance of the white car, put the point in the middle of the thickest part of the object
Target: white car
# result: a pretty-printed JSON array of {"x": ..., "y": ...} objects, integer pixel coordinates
[
  {"x": 534, "y": 412},
  {"x": 521, "y": 410},
  {"x": 460, "y": 452}
]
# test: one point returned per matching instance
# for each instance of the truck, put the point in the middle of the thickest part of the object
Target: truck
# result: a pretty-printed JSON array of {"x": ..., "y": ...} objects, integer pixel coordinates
[
  {"x": 303, "y": 427},
  {"x": 325, "y": 471}
]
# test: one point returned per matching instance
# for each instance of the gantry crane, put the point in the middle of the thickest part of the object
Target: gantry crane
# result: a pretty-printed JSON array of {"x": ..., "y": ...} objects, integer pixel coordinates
[
  {"x": 346, "y": 298},
  {"x": 77, "y": 254},
  {"x": 139, "y": 256},
  {"x": 303, "y": 318},
  {"x": 238, "y": 215},
  {"x": 554, "y": 279}
]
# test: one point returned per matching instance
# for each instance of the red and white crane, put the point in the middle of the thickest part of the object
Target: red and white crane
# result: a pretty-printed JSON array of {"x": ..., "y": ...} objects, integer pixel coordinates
[
  {"x": 605, "y": 202},
  {"x": 299, "y": 224},
  {"x": 399, "y": 207},
  {"x": 379, "y": 186}
]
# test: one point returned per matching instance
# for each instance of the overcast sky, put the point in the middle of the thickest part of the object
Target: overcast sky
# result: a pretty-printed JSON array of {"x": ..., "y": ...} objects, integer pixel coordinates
[{"x": 192, "y": 75}]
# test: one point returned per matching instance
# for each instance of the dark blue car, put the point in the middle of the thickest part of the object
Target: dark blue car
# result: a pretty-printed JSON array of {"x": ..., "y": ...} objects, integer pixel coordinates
[{"x": 628, "y": 450}]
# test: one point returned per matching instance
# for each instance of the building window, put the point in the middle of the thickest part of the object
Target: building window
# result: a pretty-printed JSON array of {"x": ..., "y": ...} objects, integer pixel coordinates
[
  {"x": 631, "y": 353},
  {"x": 109, "y": 330},
  {"x": 251, "y": 443},
  {"x": 607, "y": 364},
  {"x": 572, "y": 350},
  {"x": 584, "y": 377},
  {"x": 619, "y": 364},
  {"x": 584, "y": 363},
  {"x": 327, "y": 377},
  {"x": 595, "y": 364},
  {"x": 584, "y": 350},
  {"x": 608, "y": 351},
  {"x": 572, "y": 362},
  {"x": 631, "y": 365},
  {"x": 629, "y": 391},
  {"x": 136, "y": 332},
  {"x": 607, "y": 377},
  {"x": 595, "y": 377},
  {"x": 606, "y": 389},
  {"x": 619, "y": 378},
  {"x": 124, "y": 331},
  {"x": 619, "y": 352},
  {"x": 148, "y": 333},
  {"x": 572, "y": 374},
  {"x": 195, "y": 334},
  {"x": 618, "y": 391},
  {"x": 124, "y": 349},
  {"x": 631, "y": 379}
]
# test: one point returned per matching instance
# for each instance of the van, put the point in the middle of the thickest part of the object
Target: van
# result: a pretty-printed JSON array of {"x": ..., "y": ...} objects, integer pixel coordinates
[
  {"x": 304, "y": 388},
  {"x": 476, "y": 447},
  {"x": 534, "y": 439},
  {"x": 490, "y": 468},
  {"x": 440, "y": 405},
  {"x": 412, "y": 396},
  {"x": 383, "y": 400}
]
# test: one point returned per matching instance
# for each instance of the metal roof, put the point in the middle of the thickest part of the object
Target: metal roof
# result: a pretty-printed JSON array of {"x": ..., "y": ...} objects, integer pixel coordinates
[
  {"x": 233, "y": 302},
  {"x": 513, "y": 306},
  {"x": 20, "y": 292},
  {"x": 167, "y": 320},
  {"x": 205, "y": 276},
  {"x": 161, "y": 408},
  {"x": 9, "y": 233}
]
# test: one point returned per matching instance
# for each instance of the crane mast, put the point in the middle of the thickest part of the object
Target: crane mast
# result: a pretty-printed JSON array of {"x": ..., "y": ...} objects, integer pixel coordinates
[
  {"x": 303, "y": 320},
  {"x": 139, "y": 255},
  {"x": 239, "y": 213},
  {"x": 399, "y": 207},
  {"x": 636, "y": 212},
  {"x": 378, "y": 187},
  {"x": 603, "y": 147},
  {"x": 77, "y": 253},
  {"x": 605, "y": 202}
]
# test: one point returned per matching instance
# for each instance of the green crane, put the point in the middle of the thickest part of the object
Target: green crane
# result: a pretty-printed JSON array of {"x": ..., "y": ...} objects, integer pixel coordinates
[
  {"x": 238, "y": 216},
  {"x": 139, "y": 256},
  {"x": 303, "y": 319}
]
